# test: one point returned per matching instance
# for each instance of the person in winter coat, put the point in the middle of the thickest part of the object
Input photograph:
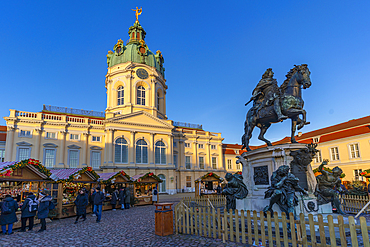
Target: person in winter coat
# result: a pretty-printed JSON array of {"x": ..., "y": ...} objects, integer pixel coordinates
[
  {"x": 121, "y": 198},
  {"x": 114, "y": 200},
  {"x": 98, "y": 203},
  {"x": 155, "y": 195},
  {"x": 29, "y": 210},
  {"x": 8, "y": 216},
  {"x": 45, "y": 205},
  {"x": 127, "y": 198},
  {"x": 81, "y": 204}
]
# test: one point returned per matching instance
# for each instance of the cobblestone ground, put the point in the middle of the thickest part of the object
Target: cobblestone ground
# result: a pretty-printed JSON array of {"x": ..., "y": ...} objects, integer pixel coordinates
[{"x": 133, "y": 227}]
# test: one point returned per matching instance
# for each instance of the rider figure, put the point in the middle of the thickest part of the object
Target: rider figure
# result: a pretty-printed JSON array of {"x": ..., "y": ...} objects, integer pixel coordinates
[{"x": 266, "y": 93}]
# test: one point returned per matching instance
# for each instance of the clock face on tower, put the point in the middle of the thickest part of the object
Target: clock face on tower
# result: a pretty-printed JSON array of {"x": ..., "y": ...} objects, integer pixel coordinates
[{"x": 142, "y": 73}]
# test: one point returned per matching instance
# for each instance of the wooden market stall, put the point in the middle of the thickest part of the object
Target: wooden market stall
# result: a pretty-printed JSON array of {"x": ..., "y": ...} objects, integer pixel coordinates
[
  {"x": 67, "y": 183},
  {"x": 143, "y": 187},
  {"x": 207, "y": 184},
  {"x": 112, "y": 181},
  {"x": 18, "y": 178}
]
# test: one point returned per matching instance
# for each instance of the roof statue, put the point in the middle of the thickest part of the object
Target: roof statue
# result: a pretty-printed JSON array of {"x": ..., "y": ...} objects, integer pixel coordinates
[{"x": 137, "y": 12}]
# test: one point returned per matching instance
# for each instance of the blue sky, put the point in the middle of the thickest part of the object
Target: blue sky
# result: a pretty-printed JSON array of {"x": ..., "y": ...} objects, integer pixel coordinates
[{"x": 53, "y": 53}]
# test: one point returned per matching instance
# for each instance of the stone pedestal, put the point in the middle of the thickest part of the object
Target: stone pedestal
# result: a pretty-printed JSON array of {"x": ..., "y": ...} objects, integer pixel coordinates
[{"x": 258, "y": 166}]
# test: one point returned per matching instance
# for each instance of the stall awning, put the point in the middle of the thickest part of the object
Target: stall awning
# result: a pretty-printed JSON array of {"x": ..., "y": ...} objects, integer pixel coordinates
[
  {"x": 210, "y": 176},
  {"x": 6, "y": 168},
  {"x": 146, "y": 178},
  {"x": 71, "y": 174}
]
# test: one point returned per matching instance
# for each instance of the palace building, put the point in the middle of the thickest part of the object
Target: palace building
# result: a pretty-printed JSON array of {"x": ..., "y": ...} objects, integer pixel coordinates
[{"x": 134, "y": 133}]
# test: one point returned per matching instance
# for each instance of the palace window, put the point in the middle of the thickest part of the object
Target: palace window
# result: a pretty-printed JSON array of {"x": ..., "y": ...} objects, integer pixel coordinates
[
  {"x": 201, "y": 162},
  {"x": 73, "y": 158},
  {"x": 237, "y": 166},
  {"x": 51, "y": 135},
  {"x": 318, "y": 158},
  {"x": 2, "y": 155},
  {"x": 214, "y": 162},
  {"x": 229, "y": 165},
  {"x": 141, "y": 152},
  {"x": 200, "y": 146},
  {"x": 23, "y": 153},
  {"x": 213, "y": 146},
  {"x": 160, "y": 153},
  {"x": 121, "y": 151},
  {"x": 175, "y": 144},
  {"x": 357, "y": 176},
  {"x": 188, "y": 181},
  {"x": 141, "y": 95},
  {"x": 354, "y": 151},
  {"x": 175, "y": 160},
  {"x": 158, "y": 101},
  {"x": 187, "y": 162},
  {"x": 120, "y": 95},
  {"x": 96, "y": 138},
  {"x": 334, "y": 152},
  {"x": 95, "y": 159},
  {"x": 25, "y": 133},
  {"x": 74, "y": 137},
  {"x": 187, "y": 145},
  {"x": 49, "y": 157}
]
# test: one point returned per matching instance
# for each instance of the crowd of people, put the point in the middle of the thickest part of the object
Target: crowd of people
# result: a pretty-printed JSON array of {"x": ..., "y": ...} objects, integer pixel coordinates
[{"x": 41, "y": 206}]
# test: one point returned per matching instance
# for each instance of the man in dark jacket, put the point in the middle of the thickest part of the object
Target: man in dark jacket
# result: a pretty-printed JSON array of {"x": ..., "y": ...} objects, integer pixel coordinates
[
  {"x": 81, "y": 204},
  {"x": 8, "y": 217},
  {"x": 45, "y": 205},
  {"x": 114, "y": 200},
  {"x": 29, "y": 210},
  {"x": 127, "y": 198},
  {"x": 98, "y": 203},
  {"x": 121, "y": 198}
]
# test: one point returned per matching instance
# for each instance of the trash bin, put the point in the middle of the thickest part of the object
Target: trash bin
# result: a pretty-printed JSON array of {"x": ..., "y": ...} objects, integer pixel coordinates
[{"x": 163, "y": 219}]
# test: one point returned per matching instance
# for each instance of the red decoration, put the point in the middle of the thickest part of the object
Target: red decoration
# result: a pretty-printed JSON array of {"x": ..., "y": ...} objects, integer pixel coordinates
[{"x": 210, "y": 174}]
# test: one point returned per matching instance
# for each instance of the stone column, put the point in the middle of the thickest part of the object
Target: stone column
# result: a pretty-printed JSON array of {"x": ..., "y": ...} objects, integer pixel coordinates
[
  {"x": 62, "y": 148},
  {"x": 37, "y": 152},
  {"x": 85, "y": 149},
  {"x": 195, "y": 150},
  {"x": 181, "y": 156},
  {"x": 9, "y": 143},
  {"x": 132, "y": 156},
  {"x": 170, "y": 150},
  {"x": 209, "y": 156},
  {"x": 220, "y": 157},
  {"x": 109, "y": 143},
  {"x": 151, "y": 149}
]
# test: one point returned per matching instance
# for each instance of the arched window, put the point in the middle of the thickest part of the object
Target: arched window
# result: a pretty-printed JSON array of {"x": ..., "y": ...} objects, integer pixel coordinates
[
  {"x": 141, "y": 95},
  {"x": 162, "y": 186},
  {"x": 141, "y": 152},
  {"x": 120, "y": 95},
  {"x": 158, "y": 101},
  {"x": 121, "y": 151},
  {"x": 160, "y": 153}
]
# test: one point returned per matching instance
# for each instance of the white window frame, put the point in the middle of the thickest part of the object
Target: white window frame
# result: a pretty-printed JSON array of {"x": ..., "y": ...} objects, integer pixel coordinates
[
  {"x": 162, "y": 153},
  {"x": 23, "y": 147},
  {"x": 187, "y": 163},
  {"x": 238, "y": 166},
  {"x": 175, "y": 160},
  {"x": 229, "y": 164},
  {"x": 92, "y": 138},
  {"x": 124, "y": 158},
  {"x": 200, "y": 162},
  {"x": 214, "y": 163},
  {"x": 91, "y": 158},
  {"x": 316, "y": 139},
  {"x": 213, "y": 146},
  {"x": 140, "y": 100},
  {"x": 186, "y": 182},
  {"x": 318, "y": 157},
  {"x": 49, "y": 132},
  {"x": 44, "y": 156},
  {"x": 334, "y": 155},
  {"x": 187, "y": 144},
  {"x": 78, "y": 157},
  {"x": 201, "y": 146},
  {"x": 141, "y": 148},
  {"x": 120, "y": 95},
  {"x": 78, "y": 136},
  {"x": 23, "y": 133},
  {"x": 355, "y": 152},
  {"x": 356, "y": 175}
]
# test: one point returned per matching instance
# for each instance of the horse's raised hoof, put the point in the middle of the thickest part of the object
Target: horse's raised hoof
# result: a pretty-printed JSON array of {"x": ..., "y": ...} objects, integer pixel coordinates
[{"x": 268, "y": 143}]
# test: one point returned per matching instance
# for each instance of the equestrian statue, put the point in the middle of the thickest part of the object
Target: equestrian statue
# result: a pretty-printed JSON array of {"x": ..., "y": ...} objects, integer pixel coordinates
[{"x": 272, "y": 104}]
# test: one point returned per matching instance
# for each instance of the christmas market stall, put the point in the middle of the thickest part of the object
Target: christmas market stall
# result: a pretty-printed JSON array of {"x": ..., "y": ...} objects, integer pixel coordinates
[
  {"x": 113, "y": 181},
  {"x": 207, "y": 184},
  {"x": 19, "y": 178},
  {"x": 143, "y": 187},
  {"x": 67, "y": 183}
]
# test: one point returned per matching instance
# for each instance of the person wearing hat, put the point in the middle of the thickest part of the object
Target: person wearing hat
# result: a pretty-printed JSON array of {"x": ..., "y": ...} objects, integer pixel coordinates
[
  {"x": 98, "y": 203},
  {"x": 46, "y": 204},
  {"x": 8, "y": 216}
]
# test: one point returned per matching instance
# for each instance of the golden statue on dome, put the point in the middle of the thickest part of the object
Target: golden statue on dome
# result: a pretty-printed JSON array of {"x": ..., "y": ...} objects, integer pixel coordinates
[{"x": 137, "y": 12}]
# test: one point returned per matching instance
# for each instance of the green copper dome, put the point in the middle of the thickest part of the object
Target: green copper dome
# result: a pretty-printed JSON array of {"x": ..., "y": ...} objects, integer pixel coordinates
[{"x": 135, "y": 51}]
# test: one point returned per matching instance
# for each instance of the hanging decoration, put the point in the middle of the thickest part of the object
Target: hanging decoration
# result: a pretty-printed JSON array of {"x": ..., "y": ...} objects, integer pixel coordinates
[
  {"x": 8, "y": 170},
  {"x": 149, "y": 174},
  {"x": 115, "y": 176}
]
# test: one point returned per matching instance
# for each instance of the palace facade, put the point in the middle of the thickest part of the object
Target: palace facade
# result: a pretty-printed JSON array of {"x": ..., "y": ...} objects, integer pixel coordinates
[{"x": 133, "y": 134}]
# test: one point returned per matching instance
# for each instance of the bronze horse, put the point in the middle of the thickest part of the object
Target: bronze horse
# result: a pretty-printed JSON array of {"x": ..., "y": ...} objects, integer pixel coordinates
[{"x": 291, "y": 106}]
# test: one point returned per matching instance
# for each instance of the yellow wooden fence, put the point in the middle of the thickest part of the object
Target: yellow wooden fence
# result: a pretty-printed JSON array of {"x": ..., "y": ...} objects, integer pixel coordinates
[
  {"x": 214, "y": 201},
  {"x": 354, "y": 204},
  {"x": 253, "y": 228}
]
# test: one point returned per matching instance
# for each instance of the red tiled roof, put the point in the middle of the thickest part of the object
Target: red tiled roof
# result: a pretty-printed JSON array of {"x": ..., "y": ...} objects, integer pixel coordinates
[
  {"x": 345, "y": 133},
  {"x": 3, "y": 135}
]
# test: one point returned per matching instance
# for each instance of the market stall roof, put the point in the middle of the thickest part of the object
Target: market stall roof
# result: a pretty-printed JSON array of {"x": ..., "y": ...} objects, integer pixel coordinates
[
  {"x": 146, "y": 178},
  {"x": 210, "y": 176},
  {"x": 107, "y": 177},
  {"x": 6, "y": 168},
  {"x": 71, "y": 174}
]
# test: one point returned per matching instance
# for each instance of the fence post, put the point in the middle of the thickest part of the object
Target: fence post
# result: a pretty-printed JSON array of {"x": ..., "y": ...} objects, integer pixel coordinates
[
  {"x": 191, "y": 220},
  {"x": 321, "y": 229},
  {"x": 209, "y": 222},
  {"x": 331, "y": 230},
  {"x": 255, "y": 223},
  {"x": 214, "y": 222},
  {"x": 352, "y": 229},
  {"x": 176, "y": 224},
  {"x": 237, "y": 235},
  {"x": 196, "y": 220},
  {"x": 231, "y": 225},
  {"x": 226, "y": 230},
  {"x": 219, "y": 222},
  {"x": 249, "y": 224},
  {"x": 364, "y": 231},
  {"x": 284, "y": 225},
  {"x": 269, "y": 229},
  {"x": 243, "y": 225},
  {"x": 262, "y": 223},
  {"x": 312, "y": 229},
  {"x": 292, "y": 229},
  {"x": 277, "y": 229}
]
